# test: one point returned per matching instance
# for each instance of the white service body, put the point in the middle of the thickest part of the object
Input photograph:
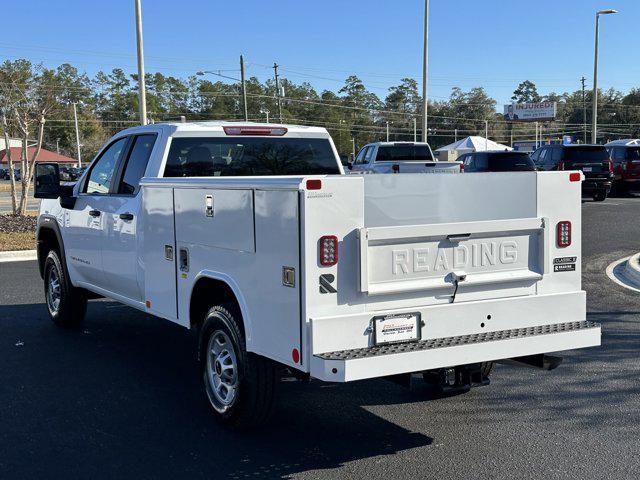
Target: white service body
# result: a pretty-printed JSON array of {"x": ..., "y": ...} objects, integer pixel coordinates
[{"x": 403, "y": 243}]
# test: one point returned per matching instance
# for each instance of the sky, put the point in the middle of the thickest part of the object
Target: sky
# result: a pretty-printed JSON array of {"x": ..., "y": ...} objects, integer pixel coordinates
[{"x": 490, "y": 43}]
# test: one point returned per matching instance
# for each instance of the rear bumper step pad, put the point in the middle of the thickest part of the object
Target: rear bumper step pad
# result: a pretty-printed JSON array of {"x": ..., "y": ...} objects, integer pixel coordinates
[{"x": 381, "y": 360}]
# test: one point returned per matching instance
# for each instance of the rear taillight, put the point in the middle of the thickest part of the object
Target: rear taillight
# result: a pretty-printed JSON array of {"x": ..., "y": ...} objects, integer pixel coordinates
[
  {"x": 461, "y": 167},
  {"x": 610, "y": 166},
  {"x": 255, "y": 130},
  {"x": 328, "y": 250},
  {"x": 561, "y": 166},
  {"x": 563, "y": 234},
  {"x": 574, "y": 177}
]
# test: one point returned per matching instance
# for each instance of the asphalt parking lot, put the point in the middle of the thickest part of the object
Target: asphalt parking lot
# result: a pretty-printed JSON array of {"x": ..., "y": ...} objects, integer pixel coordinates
[
  {"x": 5, "y": 200},
  {"x": 122, "y": 397}
]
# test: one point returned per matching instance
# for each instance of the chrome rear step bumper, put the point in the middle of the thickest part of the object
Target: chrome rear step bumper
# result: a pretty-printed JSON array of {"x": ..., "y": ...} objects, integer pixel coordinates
[{"x": 383, "y": 360}]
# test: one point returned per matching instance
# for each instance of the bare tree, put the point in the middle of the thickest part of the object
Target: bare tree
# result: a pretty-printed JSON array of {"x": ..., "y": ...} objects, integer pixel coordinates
[{"x": 26, "y": 96}]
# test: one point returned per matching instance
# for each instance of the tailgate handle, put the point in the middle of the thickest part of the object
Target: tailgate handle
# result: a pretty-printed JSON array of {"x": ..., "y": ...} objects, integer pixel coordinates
[{"x": 458, "y": 237}]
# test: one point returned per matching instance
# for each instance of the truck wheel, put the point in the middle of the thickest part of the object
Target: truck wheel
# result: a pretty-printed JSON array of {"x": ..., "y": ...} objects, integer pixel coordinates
[
  {"x": 67, "y": 305},
  {"x": 486, "y": 369},
  {"x": 599, "y": 197},
  {"x": 240, "y": 386}
]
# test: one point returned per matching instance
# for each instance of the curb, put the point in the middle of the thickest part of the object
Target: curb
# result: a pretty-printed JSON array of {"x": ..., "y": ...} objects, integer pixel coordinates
[
  {"x": 18, "y": 256},
  {"x": 632, "y": 269},
  {"x": 625, "y": 272}
]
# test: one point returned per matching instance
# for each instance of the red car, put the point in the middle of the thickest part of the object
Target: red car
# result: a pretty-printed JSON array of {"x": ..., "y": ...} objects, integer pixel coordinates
[{"x": 626, "y": 167}]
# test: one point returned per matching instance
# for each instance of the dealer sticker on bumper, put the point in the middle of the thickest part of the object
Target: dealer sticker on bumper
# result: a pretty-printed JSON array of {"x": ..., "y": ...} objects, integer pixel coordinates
[{"x": 396, "y": 328}]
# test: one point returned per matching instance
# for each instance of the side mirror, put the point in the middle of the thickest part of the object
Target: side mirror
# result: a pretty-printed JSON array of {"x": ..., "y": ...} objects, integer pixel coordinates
[{"x": 47, "y": 183}]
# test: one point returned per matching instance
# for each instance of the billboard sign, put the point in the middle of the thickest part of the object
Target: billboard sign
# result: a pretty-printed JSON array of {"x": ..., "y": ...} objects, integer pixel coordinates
[{"x": 530, "y": 112}]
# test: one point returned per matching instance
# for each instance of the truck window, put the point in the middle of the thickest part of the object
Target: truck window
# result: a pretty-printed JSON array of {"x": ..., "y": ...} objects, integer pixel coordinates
[
  {"x": 588, "y": 153},
  {"x": 632, "y": 153},
  {"x": 249, "y": 156},
  {"x": 136, "y": 164},
  {"x": 403, "y": 153},
  {"x": 361, "y": 154},
  {"x": 99, "y": 180}
]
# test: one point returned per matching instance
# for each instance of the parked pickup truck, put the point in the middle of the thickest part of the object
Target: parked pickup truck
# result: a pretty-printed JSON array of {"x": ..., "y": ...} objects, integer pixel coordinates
[
  {"x": 399, "y": 157},
  {"x": 252, "y": 236}
]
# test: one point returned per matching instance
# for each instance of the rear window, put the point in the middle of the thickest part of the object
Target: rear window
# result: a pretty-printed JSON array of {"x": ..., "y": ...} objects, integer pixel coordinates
[
  {"x": 586, "y": 154},
  {"x": 510, "y": 162},
  {"x": 403, "y": 153},
  {"x": 633, "y": 154},
  {"x": 249, "y": 156}
]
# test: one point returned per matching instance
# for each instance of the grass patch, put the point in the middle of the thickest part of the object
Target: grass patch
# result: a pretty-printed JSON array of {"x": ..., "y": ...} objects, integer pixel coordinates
[{"x": 17, "y": 241}]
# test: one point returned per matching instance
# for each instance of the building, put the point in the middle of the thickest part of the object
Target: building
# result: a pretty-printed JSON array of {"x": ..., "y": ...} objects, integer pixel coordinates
[{"x": 44, "y": 156}]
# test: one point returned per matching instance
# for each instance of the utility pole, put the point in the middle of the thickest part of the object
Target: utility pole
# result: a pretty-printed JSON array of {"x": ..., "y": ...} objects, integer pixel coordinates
[
  {"x": 275, "y": 70},
  {"x": 455, "y": 134},
  {"x": 415, "y": 129},
  {"x": 594, "y": 114},
  {"x": 584, "y": 109},
  {"x": 142, "y": 96},
  {"x": 425, "y": 62},
  {"x": 387, "y": 131},
  {"x": 244, "y": 89},
  {"x": 58, "y": 146},
  {"x": 75, "y": 121},
  {"x": 353, "y": 148},
  {"x": 486, "y": 135}
]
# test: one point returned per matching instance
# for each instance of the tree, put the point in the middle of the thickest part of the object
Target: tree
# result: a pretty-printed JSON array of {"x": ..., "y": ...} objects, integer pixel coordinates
[
  {"x": 26, "y": 96},
  {"x": 526, "y": 92}
]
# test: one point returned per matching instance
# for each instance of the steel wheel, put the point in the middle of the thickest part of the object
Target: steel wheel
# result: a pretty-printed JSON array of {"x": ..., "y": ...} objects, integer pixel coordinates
[
  {"x": 221, "y": 371},
  {"x": 53, "y": 291}
]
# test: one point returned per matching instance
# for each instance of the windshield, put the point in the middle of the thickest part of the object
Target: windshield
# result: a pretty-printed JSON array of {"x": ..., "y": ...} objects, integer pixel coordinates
[
  {"x": 595, "y": 154},
  {"x": 403, "y": 153},
  {"x": 510, "y": 162},
  {"x": 249, "y": 156}
]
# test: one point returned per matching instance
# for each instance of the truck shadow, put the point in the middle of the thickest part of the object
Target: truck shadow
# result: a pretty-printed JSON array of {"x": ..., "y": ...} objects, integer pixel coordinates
[{"x": 122, "y": 397}]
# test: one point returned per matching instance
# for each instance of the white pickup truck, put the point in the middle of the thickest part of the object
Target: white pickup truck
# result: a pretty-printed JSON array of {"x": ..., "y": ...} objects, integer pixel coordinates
[
  {"x": 399, "y": 157},
  {"x": 251, "y": 235}
]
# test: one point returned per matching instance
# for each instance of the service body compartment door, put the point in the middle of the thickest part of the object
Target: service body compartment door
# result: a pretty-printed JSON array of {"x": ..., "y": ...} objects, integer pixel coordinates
[{"x": 159, "y": 252}]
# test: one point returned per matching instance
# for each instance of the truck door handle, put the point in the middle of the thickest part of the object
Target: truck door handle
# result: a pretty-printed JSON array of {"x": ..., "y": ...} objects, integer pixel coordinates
[
  {"x": 94, "y": 213},
  {"x": 126, "y": 216}
]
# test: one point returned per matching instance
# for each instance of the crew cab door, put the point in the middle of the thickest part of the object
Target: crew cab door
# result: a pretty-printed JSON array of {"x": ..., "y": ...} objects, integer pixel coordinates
[
  {"x": 85, "y": 223},
  {"x": 123, "y": 271}
]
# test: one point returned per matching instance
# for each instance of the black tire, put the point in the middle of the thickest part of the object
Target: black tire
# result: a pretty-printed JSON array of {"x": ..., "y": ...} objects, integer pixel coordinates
[
  {"x": 486, "y": 369},
  {"x": 70, "y": 309},
  {"x": 599, "y": 196},
  {"x": 254, "y": 378}
]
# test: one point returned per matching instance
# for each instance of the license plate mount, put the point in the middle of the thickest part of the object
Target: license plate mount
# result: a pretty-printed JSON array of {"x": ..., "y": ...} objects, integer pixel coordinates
[
  {"x": 397, "y": 328},
  {"x": 587, "y": 169}
]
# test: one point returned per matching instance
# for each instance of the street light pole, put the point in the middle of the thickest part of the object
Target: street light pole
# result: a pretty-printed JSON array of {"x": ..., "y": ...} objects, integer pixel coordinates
[
  {"x": 75, "y": 121},
  {"x": 415, "y": 129},
  {"x": 425, "y": 62},
  {"x": 594, "y": 126},
  {"x": 387, "y": 131},
  {"x": 142, "y": 96},
  {"x": 244, "y": 89}
]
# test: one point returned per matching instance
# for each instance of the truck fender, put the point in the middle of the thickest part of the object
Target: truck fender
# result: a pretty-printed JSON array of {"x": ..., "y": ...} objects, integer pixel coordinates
[
  {"x": 242, "y": 304},
  {"x": 48, "y": 223}
]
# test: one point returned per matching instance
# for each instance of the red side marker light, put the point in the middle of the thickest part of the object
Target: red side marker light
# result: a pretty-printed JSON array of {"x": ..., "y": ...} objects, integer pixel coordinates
[
  {"x": 295, "y": 355},
  {"x": 574, "y": 177},
  {"x": 314, "y": 184}
]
